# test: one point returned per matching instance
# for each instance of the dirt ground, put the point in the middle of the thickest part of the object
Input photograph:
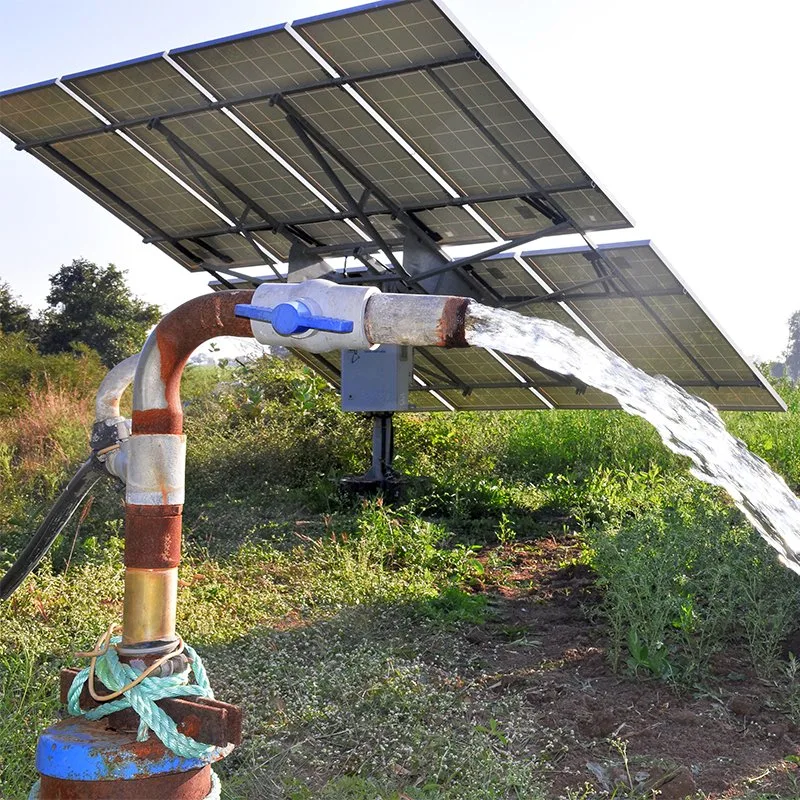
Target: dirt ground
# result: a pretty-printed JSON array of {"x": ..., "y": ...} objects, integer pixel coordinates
[{"x": 627, "y": 736}]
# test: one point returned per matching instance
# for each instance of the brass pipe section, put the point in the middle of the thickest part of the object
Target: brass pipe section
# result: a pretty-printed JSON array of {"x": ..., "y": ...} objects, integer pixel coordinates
[{"x": 149, "y": 608}]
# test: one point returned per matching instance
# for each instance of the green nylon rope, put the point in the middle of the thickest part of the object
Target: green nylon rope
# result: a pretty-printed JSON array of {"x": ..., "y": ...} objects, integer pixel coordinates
[{"x": 142, "y": 698}]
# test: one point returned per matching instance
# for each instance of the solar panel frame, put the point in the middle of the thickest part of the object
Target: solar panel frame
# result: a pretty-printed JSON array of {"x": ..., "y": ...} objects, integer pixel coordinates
[
  {"x": 487, "y": 119},
  {"x": 128, "y": 174},
  {"x": 669, "y": 279},
  {"x": 88, "y": 83},
  {"x": 137, "y": 88},
  {"x": 179, "y": 255},
  {"x": 514, "y": 88},
  {"x": 73, "y": 116}
]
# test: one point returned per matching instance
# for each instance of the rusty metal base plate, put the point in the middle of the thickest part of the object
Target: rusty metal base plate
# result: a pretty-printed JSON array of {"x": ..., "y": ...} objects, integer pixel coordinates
[
  {"x": 77, "y": 749},
  {"x": 195, "y": 785}
]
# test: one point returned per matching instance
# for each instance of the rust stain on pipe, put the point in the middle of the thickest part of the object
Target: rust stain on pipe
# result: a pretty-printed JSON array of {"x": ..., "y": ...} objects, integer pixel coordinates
[
  {"x": 451, "y": 325},
  {"x": 153, "y": 536},
  {"x": 192, "y": 785},
  {"x": 178, "y": 334}
]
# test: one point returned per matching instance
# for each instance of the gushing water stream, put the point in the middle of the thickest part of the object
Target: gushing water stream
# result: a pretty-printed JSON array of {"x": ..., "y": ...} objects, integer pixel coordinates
[{"x": 687, "y": 424}]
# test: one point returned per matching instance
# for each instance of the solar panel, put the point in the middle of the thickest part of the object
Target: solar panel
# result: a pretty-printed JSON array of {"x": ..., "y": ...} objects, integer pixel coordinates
[
  {"x": 628, "y": 294},
  {"x": 382, "y": 129}
]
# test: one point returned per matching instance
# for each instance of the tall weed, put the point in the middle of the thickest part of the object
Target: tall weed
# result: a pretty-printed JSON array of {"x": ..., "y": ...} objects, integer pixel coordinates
[{"x": 681, "y": 581}]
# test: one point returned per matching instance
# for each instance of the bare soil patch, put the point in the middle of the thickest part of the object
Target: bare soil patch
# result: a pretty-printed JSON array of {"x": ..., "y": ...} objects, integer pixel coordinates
[{"x": 624, "y": 735}]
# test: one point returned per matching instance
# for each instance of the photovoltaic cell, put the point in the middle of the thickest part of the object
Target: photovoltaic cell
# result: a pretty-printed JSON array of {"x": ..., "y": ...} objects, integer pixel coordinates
[
  {"x": 137, "y": 181},
  {"x": 33, "y": 114},
  {"x": 513, "y": 218},
  {"x": 366, "y": 144},
  {"x": 238, "y": 159},
  {"x": 453, "y": 225},
  {"x": 147, "y": 88},
  {"x": 266, "y": 61},
  {"x": 389, "y": 35},
  {"x": 464, "y": 117}
]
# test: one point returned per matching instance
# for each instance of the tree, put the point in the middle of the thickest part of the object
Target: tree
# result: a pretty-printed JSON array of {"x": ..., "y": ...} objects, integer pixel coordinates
[
  {"x": 14, "y": 317},
  {"x": 792, "y": 354},
  {"x": 93, "y": 305}
]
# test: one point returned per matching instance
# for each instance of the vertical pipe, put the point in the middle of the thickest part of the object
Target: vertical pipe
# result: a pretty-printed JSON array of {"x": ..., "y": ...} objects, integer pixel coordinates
[{"x": 157, "y": 455}]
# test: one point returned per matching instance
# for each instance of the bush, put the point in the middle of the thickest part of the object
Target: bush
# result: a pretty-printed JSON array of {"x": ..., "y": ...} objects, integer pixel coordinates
[
  {"x": 25, "y": 373},
  {"x": 45, "y": 420},
  {"x": 681, "y": 581},
  {"x": 275, "y": 424}
]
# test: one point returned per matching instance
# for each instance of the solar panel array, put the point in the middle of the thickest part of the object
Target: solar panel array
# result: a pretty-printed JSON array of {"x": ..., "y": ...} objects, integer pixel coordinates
[{"x": 344, "y": 134}]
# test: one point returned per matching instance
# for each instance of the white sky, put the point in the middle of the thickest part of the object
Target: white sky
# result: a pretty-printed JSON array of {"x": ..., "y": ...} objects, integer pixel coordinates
[{"x": 685, "y": 111}]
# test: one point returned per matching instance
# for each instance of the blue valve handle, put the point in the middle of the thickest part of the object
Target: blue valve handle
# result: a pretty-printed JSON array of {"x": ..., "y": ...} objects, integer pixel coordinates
[{"x": 293, "y": 317}]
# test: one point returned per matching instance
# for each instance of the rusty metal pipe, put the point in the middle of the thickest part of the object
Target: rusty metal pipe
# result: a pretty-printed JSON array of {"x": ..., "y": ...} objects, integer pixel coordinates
[
  {"x": 418, "y": 320},
  {"x": 157, "y": 447},
  {"x": 156, "y": 462}
]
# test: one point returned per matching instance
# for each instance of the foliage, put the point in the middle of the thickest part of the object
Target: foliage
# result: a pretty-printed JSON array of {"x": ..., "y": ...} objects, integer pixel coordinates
[
  {"x": 774, "y": 437},
  {"x": 340, "y": 625},
  {"x": 792, "y": 353},
  {"x": 14, "y": 316},
  {"x": 45, "y": 416},
  {"x": 683, "y": 579},
  {"x": 93, "y": 305},
  {"x": 24, "y": 372},
  {"x": 577, "y": 443}
]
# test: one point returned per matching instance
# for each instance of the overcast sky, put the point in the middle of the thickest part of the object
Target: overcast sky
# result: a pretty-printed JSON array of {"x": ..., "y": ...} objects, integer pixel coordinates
[{"x": 685, "y": 111}]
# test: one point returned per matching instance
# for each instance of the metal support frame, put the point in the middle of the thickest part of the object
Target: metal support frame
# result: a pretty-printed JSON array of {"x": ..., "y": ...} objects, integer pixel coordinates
[
  {"x": 308, "y": 132},
  {"x": 194, "y": 162},
  {"x": 411, "y": 208},
  {"x": 129, "y": 209},
  {"x": 315, "y": 142},
  {"x": 467, "y": 260},
  {"x": 380, "y": 477},
  {"x": 250, "y": 98},
  {"x": 192, "y": 159},
  {"x": 355, "y": 207},
  {"x": 609, "y": 277},
  {"x": 573, "y": 294},
  {"x": 464, "y": 388},
  {"x": 551, "y": 384}
]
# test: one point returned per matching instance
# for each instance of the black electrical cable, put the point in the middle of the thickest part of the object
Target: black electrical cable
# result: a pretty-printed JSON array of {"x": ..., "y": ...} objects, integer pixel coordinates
[{"x": 59, "y": 515}]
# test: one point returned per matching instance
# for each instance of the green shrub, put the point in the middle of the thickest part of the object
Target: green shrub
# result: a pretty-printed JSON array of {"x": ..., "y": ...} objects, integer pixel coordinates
[
  {"x": 24, "y": 373},
  {"x": 683, "y": 580},
  {"x": 577, "y": 443},
  {"x": 274, "y": 424},
  {"x": 774, "y": 437}
]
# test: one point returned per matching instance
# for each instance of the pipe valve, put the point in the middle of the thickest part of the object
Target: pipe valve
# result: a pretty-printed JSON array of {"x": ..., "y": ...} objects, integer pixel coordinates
[{"x": 315, "y": 315}]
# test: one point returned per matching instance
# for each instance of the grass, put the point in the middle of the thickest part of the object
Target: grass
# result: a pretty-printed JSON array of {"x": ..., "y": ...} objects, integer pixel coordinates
[{"x": 338, "y": 625}]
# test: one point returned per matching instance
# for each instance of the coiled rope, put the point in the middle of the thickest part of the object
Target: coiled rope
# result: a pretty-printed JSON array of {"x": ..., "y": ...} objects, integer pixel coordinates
[{"x": 140, "y": 691}]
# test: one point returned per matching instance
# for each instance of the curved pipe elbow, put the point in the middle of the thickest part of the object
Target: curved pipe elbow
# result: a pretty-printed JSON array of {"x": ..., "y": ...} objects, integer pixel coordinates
[
  {"x": 156, "y": 391},
  {"x": 116, "y": 381}
]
